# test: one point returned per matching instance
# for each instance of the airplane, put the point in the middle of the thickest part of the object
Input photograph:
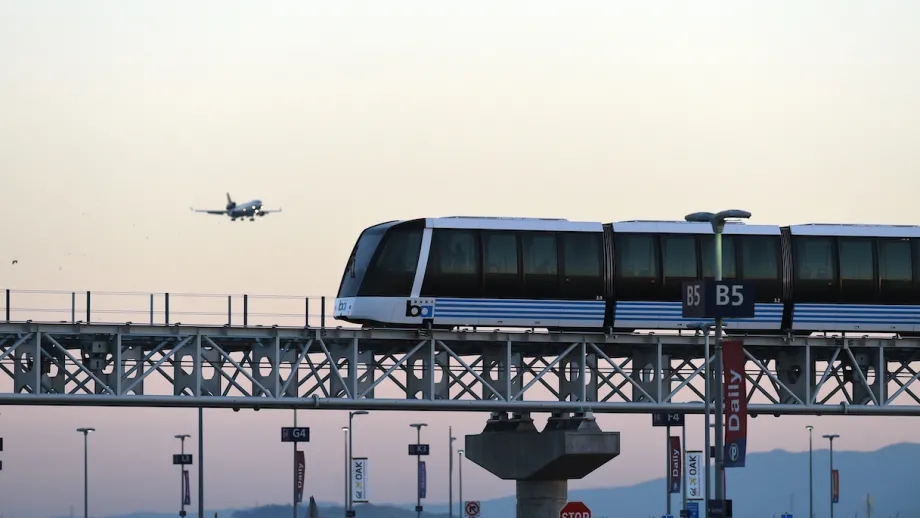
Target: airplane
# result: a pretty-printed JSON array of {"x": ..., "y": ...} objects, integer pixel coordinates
[{"x": 250, "y": 210}]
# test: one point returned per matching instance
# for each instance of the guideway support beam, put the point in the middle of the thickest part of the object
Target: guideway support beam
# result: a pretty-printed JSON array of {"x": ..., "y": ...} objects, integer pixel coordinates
[{"x": 570, "y": 447}]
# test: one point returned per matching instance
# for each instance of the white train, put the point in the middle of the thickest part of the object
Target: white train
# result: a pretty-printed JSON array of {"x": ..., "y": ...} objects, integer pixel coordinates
[{"x": 563, "y": 275}]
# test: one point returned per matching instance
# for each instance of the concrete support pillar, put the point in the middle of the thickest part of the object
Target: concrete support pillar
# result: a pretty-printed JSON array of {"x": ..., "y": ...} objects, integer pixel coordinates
[
  {"x": 569, "y": 447},
  {"x": 541, "y": 498}
]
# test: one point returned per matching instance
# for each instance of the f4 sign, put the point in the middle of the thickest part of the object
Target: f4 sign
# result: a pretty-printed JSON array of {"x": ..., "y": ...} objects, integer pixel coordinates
[{"x": 717, "y": 299}]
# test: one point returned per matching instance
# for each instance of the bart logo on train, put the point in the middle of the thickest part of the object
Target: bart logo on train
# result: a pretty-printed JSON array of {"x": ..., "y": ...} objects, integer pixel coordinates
[{"x": 420, "y": 310}]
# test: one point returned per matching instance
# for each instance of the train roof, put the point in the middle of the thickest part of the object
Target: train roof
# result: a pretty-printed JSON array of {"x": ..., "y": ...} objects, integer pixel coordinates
[
  {"x": 685, "y": 227},
  {"x": 549, "y": 225},
  {"x": 671, "y": 227},
  {"x": 855, "y": 230}
]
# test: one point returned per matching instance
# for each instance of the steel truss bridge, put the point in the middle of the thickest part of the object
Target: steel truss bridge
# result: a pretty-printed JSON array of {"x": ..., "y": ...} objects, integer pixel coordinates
[{"x": 340, "y": 368}]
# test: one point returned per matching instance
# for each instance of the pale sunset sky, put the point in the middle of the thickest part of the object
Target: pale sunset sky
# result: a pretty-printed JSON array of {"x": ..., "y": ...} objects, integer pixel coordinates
[{"x": 115, "y": 117}]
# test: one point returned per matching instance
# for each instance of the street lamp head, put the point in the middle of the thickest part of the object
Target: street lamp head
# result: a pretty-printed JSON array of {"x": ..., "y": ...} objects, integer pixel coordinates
[
  {"x": 85, "y": 431},
  {"x": 418, "y": 425},
  {"x": 345, "y": 429},
  {"x": 831, "y": 436},
  {"x": 809, "y": 427},
  {"x": 461, "y": 452},
  {"x": 359, "y": 412},
  {"x": 700, "y": 217},
  {"x": 182, "y": 436},
  {"x": 717, "y": 220}
]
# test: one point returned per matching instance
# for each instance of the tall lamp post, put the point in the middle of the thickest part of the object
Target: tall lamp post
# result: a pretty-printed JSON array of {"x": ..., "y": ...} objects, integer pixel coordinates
[
  {"x": 182, "y": 438},
  {"x": 86, "y": 432},
  {"x": 345, "y": 473},
  {"x": 349, "y": 475},
  {"x": 460, "y": 468},
  {"x": 717, "y": 221},
  {"x": 831, "y": 437},
  {"x": 450, "y": 474},
  {"x": 811, "y": 477},
  {"x": 418, "y": 468}
]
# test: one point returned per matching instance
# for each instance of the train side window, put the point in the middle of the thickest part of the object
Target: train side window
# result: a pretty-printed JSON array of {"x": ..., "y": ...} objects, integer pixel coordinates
[
  {"x": 582, "y": 265},
  {"x": 458, "y": 252},
  {"x": 708, "y": 253},
  {"x": 678, "y": 255},
  {"x": 499, "y": 253},
  {"x": 760, "y": 258},
  {"x": 814, "y": 259},
  {"x": 855, "y": 259},
  {"x": 540, "y": 254},
  {"x": 541, "y": 264},
  {"x": 637, "y": 257},
  {"x": 894, "y": 260},
  {"x": 453, "y": 265},
  {"x": 582, "y": 254}
]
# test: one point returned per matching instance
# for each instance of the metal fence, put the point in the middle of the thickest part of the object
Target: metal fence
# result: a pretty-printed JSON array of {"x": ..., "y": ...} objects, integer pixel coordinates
[{"x": 119, "y": 307}]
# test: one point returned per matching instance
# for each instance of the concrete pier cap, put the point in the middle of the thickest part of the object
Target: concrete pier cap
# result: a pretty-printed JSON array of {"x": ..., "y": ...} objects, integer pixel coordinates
[{"x": 570, "y": 447}]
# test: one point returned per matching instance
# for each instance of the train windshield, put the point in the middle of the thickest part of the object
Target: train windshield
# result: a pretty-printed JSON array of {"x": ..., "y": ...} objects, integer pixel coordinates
[{"x": 360, "y": 258}]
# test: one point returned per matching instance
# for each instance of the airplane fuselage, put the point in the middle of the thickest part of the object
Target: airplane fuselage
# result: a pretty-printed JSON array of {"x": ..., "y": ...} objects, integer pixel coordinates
[{"x": 245, "y": 210}]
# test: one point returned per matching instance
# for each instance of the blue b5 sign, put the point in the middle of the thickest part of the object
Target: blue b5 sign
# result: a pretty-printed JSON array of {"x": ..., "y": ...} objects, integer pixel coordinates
[{"x": 717, "y": 299}]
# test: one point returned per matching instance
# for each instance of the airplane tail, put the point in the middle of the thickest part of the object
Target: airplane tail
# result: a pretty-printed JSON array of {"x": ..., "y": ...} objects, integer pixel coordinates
[{"x": 230, "y": 203}]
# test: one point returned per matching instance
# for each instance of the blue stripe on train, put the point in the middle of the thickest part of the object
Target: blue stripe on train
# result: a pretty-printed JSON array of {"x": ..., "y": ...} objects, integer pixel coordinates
[
  {"x": 855, "y": 314},
  {"x": 626, "y": 311},
  {"x": 501, "y": 309}
]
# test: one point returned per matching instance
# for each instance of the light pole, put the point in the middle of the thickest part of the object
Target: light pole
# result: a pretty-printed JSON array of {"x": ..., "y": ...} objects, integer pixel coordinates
[
  {"x": 450, "y": 474},
  {"x": 831, "y": 437},
  {"x": 346, "y": 431},
  {"x": 86, "y": 432},
  {"x": 182, "y": 438},
  {"x": 707, "y": 410},
  {"x": 351, "y": 459},
  {"x": 460, "y": 469},
  {"x": 811, "y": 477},
  {"x": 418, "y": 469},
  {"x": 717, "y": 221}
]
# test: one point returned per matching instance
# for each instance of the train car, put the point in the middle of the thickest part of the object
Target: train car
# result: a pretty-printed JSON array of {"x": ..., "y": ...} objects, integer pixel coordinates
[
  {"x": 862, "y": 278},
  {"x": 653, "y": 258},
  {"x": 491, "y": 272},
  {"x": 557, "y": 274}
]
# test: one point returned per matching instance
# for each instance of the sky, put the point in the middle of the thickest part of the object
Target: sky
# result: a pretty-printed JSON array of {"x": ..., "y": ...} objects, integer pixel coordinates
[{"x": 119, "y": 116}]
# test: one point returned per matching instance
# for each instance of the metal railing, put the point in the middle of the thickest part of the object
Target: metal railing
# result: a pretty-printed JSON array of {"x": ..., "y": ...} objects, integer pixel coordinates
[{"x": 119, "y": 307}]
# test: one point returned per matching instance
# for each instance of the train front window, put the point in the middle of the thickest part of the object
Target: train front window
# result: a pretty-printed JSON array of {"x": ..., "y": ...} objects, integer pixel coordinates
[
  {"x": 393, "y": 269},
  {"x": 358, "y": 261}
]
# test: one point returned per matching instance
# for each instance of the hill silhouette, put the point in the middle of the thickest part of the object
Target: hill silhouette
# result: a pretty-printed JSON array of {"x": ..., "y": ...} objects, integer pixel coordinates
[{"x": 772, "y": 483}]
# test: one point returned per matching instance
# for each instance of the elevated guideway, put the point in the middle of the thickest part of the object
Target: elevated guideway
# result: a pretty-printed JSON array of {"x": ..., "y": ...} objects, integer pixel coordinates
[{"x": 315, "y": 363}]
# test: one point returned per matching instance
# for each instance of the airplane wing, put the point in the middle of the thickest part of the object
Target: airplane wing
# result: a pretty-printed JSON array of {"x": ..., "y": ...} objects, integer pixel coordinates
[{"x": 217, "y": 212}]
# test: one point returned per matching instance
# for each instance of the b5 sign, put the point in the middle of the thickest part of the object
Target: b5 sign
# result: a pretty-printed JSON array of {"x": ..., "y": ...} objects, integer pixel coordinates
[{"x": 717, "y": 299}]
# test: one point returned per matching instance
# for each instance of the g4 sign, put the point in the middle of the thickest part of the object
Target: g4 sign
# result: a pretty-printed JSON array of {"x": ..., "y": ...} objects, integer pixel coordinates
[
  {"x": 717, "y": 299},
  {"x": 295, "y": 434}
]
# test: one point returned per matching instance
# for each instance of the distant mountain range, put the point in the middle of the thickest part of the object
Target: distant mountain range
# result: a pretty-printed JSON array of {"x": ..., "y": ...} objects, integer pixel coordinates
[{"x": 772, "y": 483}]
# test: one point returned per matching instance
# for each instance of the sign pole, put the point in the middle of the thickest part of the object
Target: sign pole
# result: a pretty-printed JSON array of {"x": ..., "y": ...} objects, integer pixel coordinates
[
  {"x": 725, "y": 300},
  {"x": 295, "y": 469},
  {"x": 683, "y": 471},
  {"x": 667, "y": 476}
]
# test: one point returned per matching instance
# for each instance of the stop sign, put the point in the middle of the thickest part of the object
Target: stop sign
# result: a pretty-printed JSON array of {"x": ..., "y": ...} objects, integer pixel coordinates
[{"x": 575, "y": 510}]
